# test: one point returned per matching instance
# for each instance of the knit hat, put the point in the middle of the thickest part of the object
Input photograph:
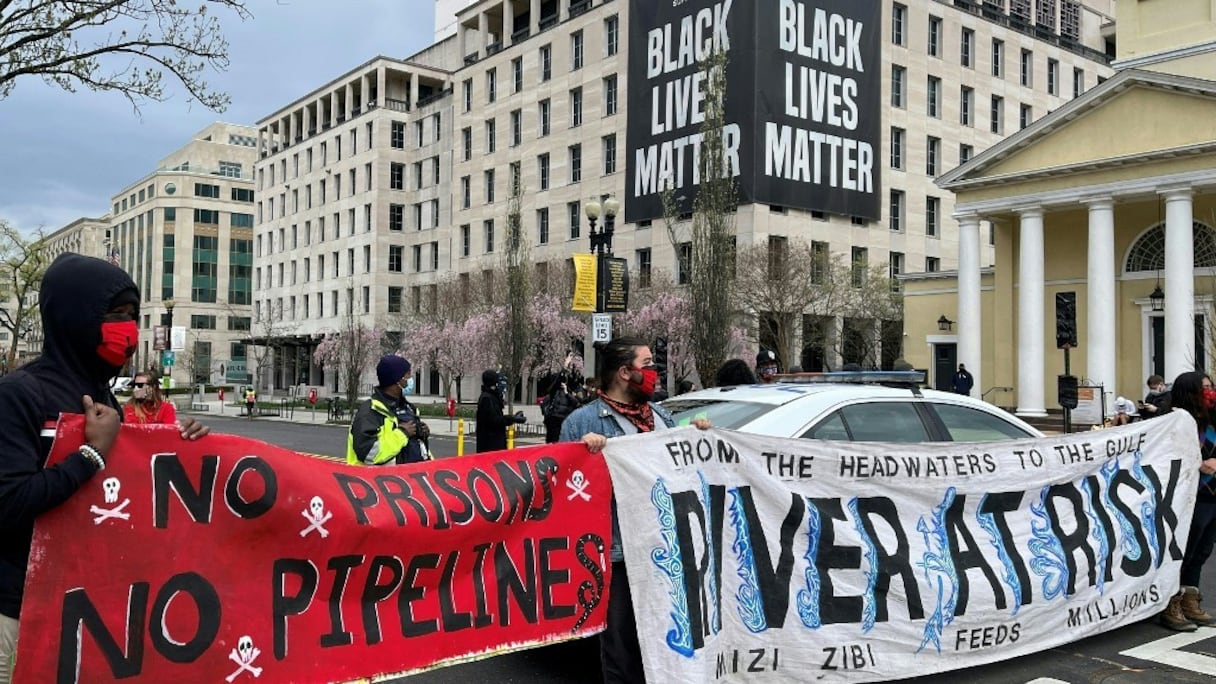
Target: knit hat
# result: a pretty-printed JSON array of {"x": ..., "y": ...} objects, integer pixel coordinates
[
  {"x": 391, "y": 369},
  {"x": 489, "y": 378}
]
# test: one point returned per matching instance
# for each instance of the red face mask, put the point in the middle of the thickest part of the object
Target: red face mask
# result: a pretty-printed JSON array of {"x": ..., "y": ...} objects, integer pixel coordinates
[
  {"x": 118, "y": 342},
  {"x": 1209, "y": 398},
  {"x": 650, "y": 378}
]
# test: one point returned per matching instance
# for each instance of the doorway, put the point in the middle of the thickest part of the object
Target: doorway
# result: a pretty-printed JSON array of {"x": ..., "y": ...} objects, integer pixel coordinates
[
  {"x": 1157, "y": 345},
  {"x": 945, "y": 360}
]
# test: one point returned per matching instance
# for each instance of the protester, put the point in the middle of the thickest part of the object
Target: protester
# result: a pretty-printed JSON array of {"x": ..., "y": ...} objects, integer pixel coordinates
[
  {"x": 684, "y": 386},
  {"x": 491, "y": 421},
  {"x": 386, "y": 427},
  {"x": 627, "y": 380},
  {"x": 1125, "y": 411},
  {"x": 558, "y": 404},
  {"x": 766, "y": 366},
  {"x": 1192, "y": 392},
  {"x": 1157, "y": 401},
  {"x": 89, "y": 310},
  {"x": 146, "y": 404},
  {"x": 734, "y": 372},
  {"x": 962, "y": 381}
]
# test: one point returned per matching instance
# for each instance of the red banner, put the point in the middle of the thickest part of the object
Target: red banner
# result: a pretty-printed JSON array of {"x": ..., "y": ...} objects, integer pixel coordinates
[{"x": 235, "y": 559}]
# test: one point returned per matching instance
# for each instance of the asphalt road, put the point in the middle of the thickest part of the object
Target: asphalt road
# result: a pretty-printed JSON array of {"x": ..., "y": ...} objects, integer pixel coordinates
[{"x": 1099, "y": 659}]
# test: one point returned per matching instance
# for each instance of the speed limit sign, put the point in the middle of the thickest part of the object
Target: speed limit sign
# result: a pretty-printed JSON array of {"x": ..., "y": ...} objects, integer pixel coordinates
[{"x": 601, "y": 327}]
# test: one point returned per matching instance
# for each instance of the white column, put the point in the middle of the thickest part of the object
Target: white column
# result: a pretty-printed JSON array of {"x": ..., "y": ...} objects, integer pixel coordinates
[
  {"x": 508, "y": 22},
  {"x": 483, "y": 30},
  {"x": 1179, "y": 284},
  {"x": 1100, "y": 335},
  {"x": 970, "y": 324},
  {"x": 1030, "y": 314},
  {"x": 534, "y": 16}
]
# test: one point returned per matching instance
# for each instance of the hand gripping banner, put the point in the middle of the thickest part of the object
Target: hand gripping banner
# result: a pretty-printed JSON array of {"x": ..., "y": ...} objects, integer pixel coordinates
[
  {"x": 775, "y": 560},
  {"x": 228, "y": 559}
]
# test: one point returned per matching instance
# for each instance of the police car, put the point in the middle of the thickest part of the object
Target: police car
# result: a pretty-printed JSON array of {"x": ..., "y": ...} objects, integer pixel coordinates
[{"x": 851, "y": 406}]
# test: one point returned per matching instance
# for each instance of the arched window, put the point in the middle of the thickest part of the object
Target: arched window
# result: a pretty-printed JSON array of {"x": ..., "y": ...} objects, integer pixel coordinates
[{"x": 1148, "y": 254}]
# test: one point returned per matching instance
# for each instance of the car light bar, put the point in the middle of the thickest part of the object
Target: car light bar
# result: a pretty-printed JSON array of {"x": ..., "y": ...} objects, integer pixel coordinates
[{"x": 856, "y": 377}]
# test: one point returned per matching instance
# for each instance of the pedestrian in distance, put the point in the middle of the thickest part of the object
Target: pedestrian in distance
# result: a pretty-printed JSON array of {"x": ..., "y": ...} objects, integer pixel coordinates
[
  {"x": 491, "y": 421},
  {"x": 89, "y": 309},
  {"x": 1157, "y": 401},
  {"x": 962, "y": 381},
  {"x": 1192, "y": 392},
  {"x": 251, "y": 401},
  {"x": 734, "y": 372},
  {"x": 386, "y": 428},
  {"x": 147, "y": 404},
  {"x": 557, "y": 405},
  {"x": 624, "y": 407}
]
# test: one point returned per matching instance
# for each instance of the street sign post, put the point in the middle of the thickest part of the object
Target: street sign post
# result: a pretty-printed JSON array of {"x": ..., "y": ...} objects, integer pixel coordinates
[{"x": 601, "y": 327}]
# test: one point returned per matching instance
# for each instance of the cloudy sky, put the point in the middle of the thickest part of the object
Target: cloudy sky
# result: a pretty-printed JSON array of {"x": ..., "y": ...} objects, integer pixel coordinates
[{"x": 65, "y": 154}]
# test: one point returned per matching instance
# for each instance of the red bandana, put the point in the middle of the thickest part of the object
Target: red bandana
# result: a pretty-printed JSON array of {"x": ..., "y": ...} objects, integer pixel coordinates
[{"x": 640, "y": 415}]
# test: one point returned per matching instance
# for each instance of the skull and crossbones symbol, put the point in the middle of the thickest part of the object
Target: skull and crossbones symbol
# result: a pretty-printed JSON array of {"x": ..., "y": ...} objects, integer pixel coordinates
[
  {"x": 110, "y": 487},
  {"x": 317, "y": 516},
  {"x": 243, "y": 655},
  {"x": 578, "y": 484}
]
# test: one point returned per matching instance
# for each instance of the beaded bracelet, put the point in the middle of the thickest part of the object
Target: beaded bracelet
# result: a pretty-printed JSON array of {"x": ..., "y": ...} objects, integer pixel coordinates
[{"x": 92, "y": 455}]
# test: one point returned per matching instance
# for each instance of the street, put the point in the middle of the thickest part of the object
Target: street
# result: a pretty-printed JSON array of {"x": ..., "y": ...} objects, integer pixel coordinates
[{"x": 1142, "y": 652}]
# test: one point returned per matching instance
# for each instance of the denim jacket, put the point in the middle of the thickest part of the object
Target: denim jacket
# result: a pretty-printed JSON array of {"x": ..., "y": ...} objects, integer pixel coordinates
[{"x": 599, "y": 418}]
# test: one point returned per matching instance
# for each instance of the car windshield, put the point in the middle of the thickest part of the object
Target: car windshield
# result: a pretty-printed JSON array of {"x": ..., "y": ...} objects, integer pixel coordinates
[{"x": 730, "y": 415}]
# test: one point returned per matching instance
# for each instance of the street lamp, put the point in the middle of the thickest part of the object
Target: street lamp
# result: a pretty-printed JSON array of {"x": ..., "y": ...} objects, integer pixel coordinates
[
  {"x": 611, "y": 205},
  {"x": 592, "y": 210}
]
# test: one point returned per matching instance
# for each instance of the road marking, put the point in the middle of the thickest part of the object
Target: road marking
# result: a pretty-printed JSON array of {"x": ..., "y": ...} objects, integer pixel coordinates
[
  {"x": 1046, "y": 680},
  {"x": 1166, "y": 651}
]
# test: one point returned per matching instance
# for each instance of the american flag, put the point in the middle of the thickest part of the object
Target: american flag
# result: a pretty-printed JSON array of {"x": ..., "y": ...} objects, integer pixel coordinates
[{"x": 112, "y": 257}]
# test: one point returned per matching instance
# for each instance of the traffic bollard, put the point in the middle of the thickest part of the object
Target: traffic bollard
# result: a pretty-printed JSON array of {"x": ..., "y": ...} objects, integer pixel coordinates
[
  {"x": 511, "y": 437},
  {"x": 460, "y": 438}
]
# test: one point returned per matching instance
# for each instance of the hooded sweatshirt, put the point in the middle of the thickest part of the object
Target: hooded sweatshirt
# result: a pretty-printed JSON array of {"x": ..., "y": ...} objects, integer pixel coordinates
[{"x": 76, "y": 293}]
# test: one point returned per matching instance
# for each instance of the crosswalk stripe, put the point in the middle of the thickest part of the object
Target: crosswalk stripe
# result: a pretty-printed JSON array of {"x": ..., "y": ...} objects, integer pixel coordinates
[{"x": 1166, "y": 651}]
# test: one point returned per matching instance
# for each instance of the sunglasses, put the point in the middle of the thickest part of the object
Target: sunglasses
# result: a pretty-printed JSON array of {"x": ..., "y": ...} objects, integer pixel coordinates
[{"x": 139, "y": 384}]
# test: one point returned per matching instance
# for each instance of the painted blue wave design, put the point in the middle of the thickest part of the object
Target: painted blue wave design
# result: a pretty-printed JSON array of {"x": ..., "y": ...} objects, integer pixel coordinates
[
  {"x": 808, "y": 598},
  {"x": 869, "y": 607},
  {"x": 939, "y": 571},
  {"x": 1097, "y": 531},
  {"x": 1128, "y": 545},
  {"x": 667, "y": 559},
  {"x": 715, "y": 622},
  {"x": 1148, "y": 509},
  {"x": 1046, "y": 552},
  {"x": 751, "y": 609},
  {"x": 988, "y": 522}
]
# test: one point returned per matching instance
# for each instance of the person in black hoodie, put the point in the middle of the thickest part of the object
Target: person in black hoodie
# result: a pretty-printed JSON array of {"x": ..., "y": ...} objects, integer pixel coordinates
[
  {"x": 89, "y": 310},
  {"x": 491, "y": 421}
]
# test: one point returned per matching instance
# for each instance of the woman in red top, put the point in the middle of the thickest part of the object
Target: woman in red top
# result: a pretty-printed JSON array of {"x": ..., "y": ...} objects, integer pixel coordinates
[{"x": 146, "y": 404}]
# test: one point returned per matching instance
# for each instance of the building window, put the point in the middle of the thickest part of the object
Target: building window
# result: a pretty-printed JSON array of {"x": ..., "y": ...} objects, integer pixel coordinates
[
  {"x": 933, "y": 152},
  {"x": 397, "y": 135},
  {"x": 899, "y": 19},
  {"x": 1025, "y": 117},
  {"x": 965, "y": 152},
  {"x": 467, "y": 92},
  {"x": 897, "y": 148},
  {"x": 898, "y": 80},
  {"x": 896, "y": 211},
  {"x": 643, "y": 266},
  {"x": 1053, "y": 77},
  {"x": 517, "y": 128},
  {"x": 396, "y": 217},
  {"x": 576, "y": 51},
  {"x": 205, "y": 269},
  {"x": 683, "y": 263},
  {"x": 546, "y": 62},
  {"x": 491, "y": 85},
  {"x": 612, "y": 35},
  {"x": 394, "y": 299},
  {"x": 933, "y": 207},
  {"x": 966, "y": 106},
  {"x": 396, "y": 255},
  {"x": 515, "y": 178},
  {"x": 466, "y": 142},
  {"x": 489, "y": 181},
  {"x": 396, "y": 176},
  {"x": 573, "y": 212},
  {"x": 576, "y": 163},
  {"x": 416, "y": 252},
  {"x": 895, "y": 267},
  {"x": 1078, "y": 82},
  {"x": 517, "y": 74},
  {"x": 610, "y": 98},
  {"x": 967, "y": 48},
  {"x": 466, "y": 192},
  {"x": 609, "y": 154},
  {"x": 935, "y": 36},
  {"x": 466, "y": 240},
  {"x": 576, "y": 107},
  {"x": 490, "y": 136},
  {"x": 542, "y": 226},
  {"x": 932, "y": 264},
  {"x": 542, "y": 170},
  {"x": 242, "y": 195},
  {"x": 998, "y": 114},
  {"x": 241, "y": 220},
  {"x": 488, "y": 226},
  {"x": 820, "y": 261},
  {"x": 240, "y": 271},
  {"x": 208, "y": 216},
  {"x": 998, "y": 58},
  {"x": 1026, "y": 73},
  {"x": 544, "y": 109},
  {"x": 934, "y": 97},
  {"x": 202, "y": 190},
  {"x": 419, "y": 134},
  {"x": 860, "y": 263},
  {"x": 230, "y": 169}
]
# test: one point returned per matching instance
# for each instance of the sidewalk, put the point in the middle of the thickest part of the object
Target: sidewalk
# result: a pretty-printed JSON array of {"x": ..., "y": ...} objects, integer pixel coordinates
[{"x": 533, "y": 431}]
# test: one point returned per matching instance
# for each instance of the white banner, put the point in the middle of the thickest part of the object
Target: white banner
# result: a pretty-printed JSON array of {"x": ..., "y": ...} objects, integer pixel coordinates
[{"x": 761, "y": 559}]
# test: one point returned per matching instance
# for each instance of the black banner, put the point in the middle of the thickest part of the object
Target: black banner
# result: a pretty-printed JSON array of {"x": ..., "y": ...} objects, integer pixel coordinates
[
  {"x": 803, "y": 117},
  {"x": 613, "y": 291}
]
